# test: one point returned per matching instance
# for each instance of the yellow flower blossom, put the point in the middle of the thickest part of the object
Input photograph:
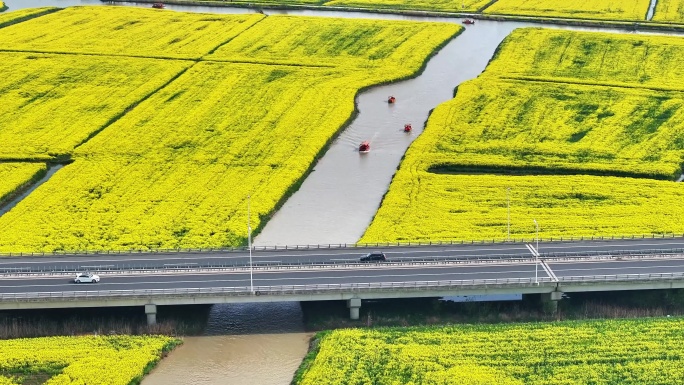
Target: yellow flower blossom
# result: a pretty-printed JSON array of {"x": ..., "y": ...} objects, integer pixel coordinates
[
  {"x": 189, "y": 140},
  {"x": 14, "y": 176},
  {"x": 553, "y": 113},
  {"x": 669, "y": 11},
  {"x": 578, "y": 9},
  {"x": 105, "y": 360},
  {"x": 613, "y": 352}
]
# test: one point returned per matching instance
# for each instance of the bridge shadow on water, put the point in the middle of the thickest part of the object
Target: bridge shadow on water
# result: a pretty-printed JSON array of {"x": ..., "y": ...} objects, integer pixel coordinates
[
  {"x": 255, "y": 318},
  {"x": 187, "y": 320},
  {"x": 293, "y": 317}
]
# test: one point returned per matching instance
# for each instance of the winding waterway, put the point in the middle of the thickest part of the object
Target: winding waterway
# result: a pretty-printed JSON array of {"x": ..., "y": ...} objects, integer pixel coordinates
[{"x": 264, "y": 343}]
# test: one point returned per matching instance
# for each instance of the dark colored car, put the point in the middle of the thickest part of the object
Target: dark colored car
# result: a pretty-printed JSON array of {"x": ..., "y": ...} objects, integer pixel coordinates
[{"x": 375, "y": 256}]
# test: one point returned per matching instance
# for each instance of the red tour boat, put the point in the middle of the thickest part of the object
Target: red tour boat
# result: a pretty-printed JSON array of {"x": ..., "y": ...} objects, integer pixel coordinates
[
  {"x": 391, "y": 100},
  {"x": 364, "y": 147},
  {"x": 158, "y": 5},
  {"x": 407, "y": 127},
  {"x": 468, "y": 21}
]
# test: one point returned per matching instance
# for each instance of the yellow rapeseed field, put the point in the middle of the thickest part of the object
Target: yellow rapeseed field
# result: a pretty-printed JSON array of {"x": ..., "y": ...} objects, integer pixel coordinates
[
  {"x": 176, "y": 170},
  {"x": 608, "y": 352},
  {"x": 558, "y": 127},
  {"x": 425, "y": 5},
  {"x": 126, "y": 31},
  {"x": 582, "y": 9},
  {"x": 564, "y": 121},
  {"x": 8, "y": 18},
  {"x": 592, "y": 58},
  {"x": 400, "y": 5},
  {"x": 430, "y": 207},
  {"x": 669, "y": 11},
  {"x": 15, "y": 175},
  {"x": 53, "y": 103},
  {"x": 397, "y": 47},
  {"x": 105, "y": 360},
  {"x": 159, "y": 179}
]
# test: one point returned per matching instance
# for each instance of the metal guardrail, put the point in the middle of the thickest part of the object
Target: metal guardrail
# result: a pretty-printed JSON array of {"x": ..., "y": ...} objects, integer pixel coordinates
[
  {"x": 334, "y": 288},
  {"x": 149, "y": 268},
  {"x": 339, "y": 246}
]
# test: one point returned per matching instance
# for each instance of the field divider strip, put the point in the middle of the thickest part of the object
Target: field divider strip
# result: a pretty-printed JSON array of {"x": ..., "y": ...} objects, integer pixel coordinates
[
  {"x": 587, "y": 83},
  {"x": 110, "y": 55},
  {"x": 232, "y": 38},
  {"x": 29, "y": 17},
  {"x": 514, "y": 261},
  {"x": 523, "y": 171},
  {"x": 267, "y": 63},
  {"x": 132, "y": 106}
]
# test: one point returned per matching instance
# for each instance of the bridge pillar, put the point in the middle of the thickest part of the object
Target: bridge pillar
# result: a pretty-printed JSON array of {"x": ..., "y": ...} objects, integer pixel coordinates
[
  {"x": 354, "y": 305},
  {"x": 550, "y": 301},
  {"x": 151, "y": 311}
]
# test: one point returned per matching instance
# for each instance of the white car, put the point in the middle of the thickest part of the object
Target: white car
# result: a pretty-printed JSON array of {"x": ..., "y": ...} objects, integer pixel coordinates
[{"x": 87, "y": 278}]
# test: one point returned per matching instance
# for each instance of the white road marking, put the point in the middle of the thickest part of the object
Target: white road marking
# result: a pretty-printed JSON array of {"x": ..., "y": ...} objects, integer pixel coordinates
[
  {"x": 618, "y": 268},
  {"x": 466, "y": 249},
  {"x": 103, "y": 282},
  {"x": 622, "y": 262},
  {"x": 281, "y": 270},
  {"x": 548, "y": 270}
]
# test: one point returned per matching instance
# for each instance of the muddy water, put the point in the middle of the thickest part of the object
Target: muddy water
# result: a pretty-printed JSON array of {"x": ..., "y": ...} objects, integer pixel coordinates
[{"x": 245, "y": 344}]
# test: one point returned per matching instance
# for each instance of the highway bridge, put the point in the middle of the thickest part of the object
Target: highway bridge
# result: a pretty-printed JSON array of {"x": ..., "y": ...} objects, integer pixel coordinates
[{"x": 334, "y": 273}]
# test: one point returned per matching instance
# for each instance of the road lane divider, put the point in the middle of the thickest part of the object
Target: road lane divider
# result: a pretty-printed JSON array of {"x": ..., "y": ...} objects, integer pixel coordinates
[
  {"x": 549, "y": 271},
  {"x": 192, "y": 268}
]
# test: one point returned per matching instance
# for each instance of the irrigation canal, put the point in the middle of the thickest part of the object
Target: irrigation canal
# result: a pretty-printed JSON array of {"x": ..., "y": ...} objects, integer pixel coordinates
[{"x": 334, "y": 205}]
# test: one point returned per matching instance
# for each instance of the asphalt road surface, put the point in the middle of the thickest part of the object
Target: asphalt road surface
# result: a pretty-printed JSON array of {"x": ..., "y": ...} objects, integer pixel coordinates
[
  {"x": 372, "y": 273},
  {"x": 102, "y": 262}
]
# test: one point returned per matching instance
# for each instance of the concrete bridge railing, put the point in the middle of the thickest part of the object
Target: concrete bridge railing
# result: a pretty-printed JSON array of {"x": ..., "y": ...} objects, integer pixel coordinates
[
  {"x": 551, "y": 290},
  {"x": 542, "y": 284}
]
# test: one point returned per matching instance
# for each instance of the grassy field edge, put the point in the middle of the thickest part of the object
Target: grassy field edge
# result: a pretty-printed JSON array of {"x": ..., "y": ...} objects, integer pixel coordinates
[
  {"x": 165, "y": 350},
  {"x": 5, "y": 199}
]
